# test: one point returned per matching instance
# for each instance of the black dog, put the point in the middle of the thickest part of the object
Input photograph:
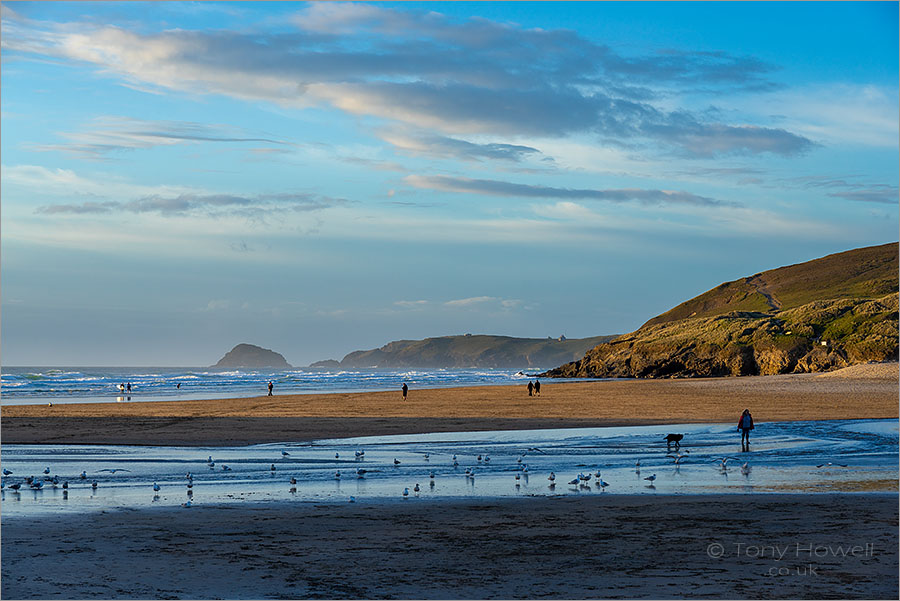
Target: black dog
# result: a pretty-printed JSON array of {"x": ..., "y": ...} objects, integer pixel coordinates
[{"x": 676, "y": 438}]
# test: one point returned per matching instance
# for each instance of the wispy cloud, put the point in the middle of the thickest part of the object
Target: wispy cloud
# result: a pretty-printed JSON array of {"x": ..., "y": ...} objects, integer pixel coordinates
[
  {"x": 112, "y": 134},
  {"x": 431, "y": 72},
  {"x": 211, "y": 204},
  {"x": 510, "y": 189},
  {"x": 442, "y": 146}
]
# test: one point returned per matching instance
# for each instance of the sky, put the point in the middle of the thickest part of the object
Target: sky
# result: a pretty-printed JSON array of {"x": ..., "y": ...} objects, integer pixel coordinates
[{"x": 317, "y": 178}]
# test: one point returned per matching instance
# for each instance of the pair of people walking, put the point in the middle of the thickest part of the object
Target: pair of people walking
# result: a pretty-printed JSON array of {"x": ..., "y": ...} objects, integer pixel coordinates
[{"x": 534, "y": 389}]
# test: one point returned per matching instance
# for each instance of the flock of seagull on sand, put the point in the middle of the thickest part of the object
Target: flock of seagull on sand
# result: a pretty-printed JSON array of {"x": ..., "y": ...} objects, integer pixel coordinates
[{"x": 581, "y": 481}]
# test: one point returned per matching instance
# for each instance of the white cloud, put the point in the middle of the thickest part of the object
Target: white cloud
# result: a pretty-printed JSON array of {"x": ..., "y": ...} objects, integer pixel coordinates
[{"x": 466, "y": 302}]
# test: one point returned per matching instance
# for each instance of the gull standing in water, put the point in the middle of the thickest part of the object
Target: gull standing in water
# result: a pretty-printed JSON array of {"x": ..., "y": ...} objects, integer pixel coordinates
[
  {"x": 156, "y": 487},
  {"x": 651, "y": 479},
  {"x": 83, "y": 475},
  {"x": 603, "y": 484},
  {"x": 551, "y": 477},
  {"x": 6, "y": 472},
  {"x": 405, "y": 492},
  {"x": 745, "y": 469},
  {"x": 723, "y": 462}
]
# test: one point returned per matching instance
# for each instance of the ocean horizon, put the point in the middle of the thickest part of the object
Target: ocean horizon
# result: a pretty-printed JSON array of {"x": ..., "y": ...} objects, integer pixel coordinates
[{"x": 27, "y": 385}]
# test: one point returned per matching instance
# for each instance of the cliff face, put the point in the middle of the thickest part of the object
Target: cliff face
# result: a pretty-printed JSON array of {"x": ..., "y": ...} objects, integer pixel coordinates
[
  {"x": 251, "y": 357},
  {"x": 771, "y": 323},
  {"x": 478, "y": 351}
]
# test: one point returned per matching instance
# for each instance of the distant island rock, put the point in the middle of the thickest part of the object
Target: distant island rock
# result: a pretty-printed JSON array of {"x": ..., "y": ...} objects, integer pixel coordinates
[
  {"x": 249, "y": 356},
  {"x": 824, "y": 314},
  {"x": 468, "y": 351}
]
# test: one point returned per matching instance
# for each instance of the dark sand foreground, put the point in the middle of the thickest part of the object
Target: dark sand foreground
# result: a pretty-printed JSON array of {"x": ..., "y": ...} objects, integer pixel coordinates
[
  {"x": 734, "y": 546},
  {"x": 864, "y": 391}
]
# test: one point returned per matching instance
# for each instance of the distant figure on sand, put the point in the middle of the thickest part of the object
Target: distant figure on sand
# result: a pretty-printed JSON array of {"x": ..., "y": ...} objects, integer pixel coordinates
[
  {"x": 405, "y": 390},
  {"x": 178, "y": 385},
  {"x": 530, "y": 388},
  {"x": 271, "y": 386},
  {"x": 744, "y": 426},
  {"x": 537, "y": 387},
  {"x": 128, "y": 387}
]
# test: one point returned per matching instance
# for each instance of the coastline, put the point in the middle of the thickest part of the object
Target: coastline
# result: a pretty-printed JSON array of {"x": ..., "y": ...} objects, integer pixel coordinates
[
  {"x": 597, "y": 546},
  {"x": 859, "y": 392}
]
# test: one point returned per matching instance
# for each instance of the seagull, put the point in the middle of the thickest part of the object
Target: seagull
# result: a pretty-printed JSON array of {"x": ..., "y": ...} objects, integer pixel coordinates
[
  {"x": 455, "y": 462},
  {"x": 454, "y": 457},
  {"x": 293, "y": 489},
  {"x": 651, "y": 478},
  {"x": 37, "y": 485},
  {"x": 6, "y": 472},
  {"x": 29, "y": 479},
  {"x": 478, "y": 458},
  {"x": 597, "y": 475},
  {"x": 155, "y": 487},
  {"x": 518, "y": 460},
  {"x": 829, "y": 464},
  {"x": 745, "y": 469},
  {"x": 66, "y": 485},
  {"x": 83, "y": 475},
  {"x": 351, "y": 500},
  {"x": 536, "y": 450},
  {"x": 487, "y": 459},
  {"x": 431, "y": 475},
  {"x": 427, "y": 455},
  {"x": 211, "y": 464},
  {"x": 396, "y": 461},
  {"x": 187, "y": 504},
  {"x": 94, "y": 485},
  {"x": 15, "y": 486},
  {"x": 603, "y": 484},
  {"x": 551, "y": 477},
  {"x": 225, "y": 468},
  {"x": 209, "y": 459},
  {"x": 293, "y": 480},
  {"x": 111, "y": 471},
  {"x": 190, "y": 485},
  {"x": 360, "y": 473},
  {"x": 285, "y": 454},
  {"x": 189, "y": 476},
  {"x": 360, "y": 454},
  {"x": 524, "y": 469},
  {"x": 272, "y": 469},
  {"x": 574, "y": 482},
  {"x": 337, "y": 455},
  {"x": 47, "y": 470},
  {"x": 677, "y": 457},
  {"x": 405, "y": 492},
  {"x": 416, "y": 487},
  {"x": 723, "y": 462},
  {"x": 337, "y": 475},
  {"x": 517, "y": 476}
]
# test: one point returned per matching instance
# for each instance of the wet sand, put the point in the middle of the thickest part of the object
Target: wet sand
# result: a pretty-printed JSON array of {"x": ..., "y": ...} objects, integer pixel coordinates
[
  {"x": 869, "y": 391},
  {"x": 570, "y": 547}
]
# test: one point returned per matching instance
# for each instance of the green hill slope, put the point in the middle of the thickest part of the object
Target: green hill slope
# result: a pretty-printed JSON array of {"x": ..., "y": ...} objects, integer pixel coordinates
[
  {"x": 470, "y": 351},
  {"x": 815, "y": 316},
  {"x": 869, "y": 272}
]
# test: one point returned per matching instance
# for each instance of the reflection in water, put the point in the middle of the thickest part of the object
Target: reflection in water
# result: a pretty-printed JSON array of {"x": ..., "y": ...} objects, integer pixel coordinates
[{"x": 785, "y": 457}]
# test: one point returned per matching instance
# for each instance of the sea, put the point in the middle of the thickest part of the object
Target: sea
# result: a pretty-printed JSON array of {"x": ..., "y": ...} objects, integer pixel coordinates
[{"x": 41, "y": 385}]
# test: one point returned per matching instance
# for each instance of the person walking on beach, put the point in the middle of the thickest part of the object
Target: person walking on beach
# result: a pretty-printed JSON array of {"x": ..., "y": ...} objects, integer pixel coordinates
[
  {"x": 745, "y": 424},
  {"x": 405, "y": 390},
  {"x": 530, "y": 388},
  {"x": 271, "y": 386},
  {"x": 128, "y": 387},
  {"x": 537, "y": 387}
]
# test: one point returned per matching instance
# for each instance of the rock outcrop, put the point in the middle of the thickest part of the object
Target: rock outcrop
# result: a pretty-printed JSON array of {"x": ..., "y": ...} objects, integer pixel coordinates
[{"x": 249, "y": 356}]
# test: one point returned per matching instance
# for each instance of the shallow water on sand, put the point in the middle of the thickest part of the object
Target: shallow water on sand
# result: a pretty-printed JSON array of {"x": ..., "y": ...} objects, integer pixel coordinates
[{"x": 784, "y": 457}]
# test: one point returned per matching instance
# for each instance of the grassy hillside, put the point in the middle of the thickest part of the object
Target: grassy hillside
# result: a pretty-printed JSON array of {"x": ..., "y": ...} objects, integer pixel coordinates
[
  {"x": 824, "y": 314},
  {"x": 472, "y": 351},
  {"x": 869, "y": 272}
]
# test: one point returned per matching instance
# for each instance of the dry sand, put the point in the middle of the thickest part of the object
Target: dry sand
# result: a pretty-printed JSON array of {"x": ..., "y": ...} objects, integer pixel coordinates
[
  {"x": 860, "y": 392},
  {"x": 571, "y": 547}
]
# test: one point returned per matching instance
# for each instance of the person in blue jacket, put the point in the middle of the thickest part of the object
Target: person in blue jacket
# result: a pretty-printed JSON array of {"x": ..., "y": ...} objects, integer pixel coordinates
[{"x": 745, "y": 424}]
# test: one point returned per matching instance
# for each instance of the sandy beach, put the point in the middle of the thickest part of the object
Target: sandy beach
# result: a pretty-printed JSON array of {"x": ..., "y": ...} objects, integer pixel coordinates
[
  {"x": 734, "y": 546},
  {"x": 864, "y": 391}
]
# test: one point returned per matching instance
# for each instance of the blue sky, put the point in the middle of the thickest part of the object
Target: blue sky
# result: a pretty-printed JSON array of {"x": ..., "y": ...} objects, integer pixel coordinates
[{"x": 318, "y": 178}]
